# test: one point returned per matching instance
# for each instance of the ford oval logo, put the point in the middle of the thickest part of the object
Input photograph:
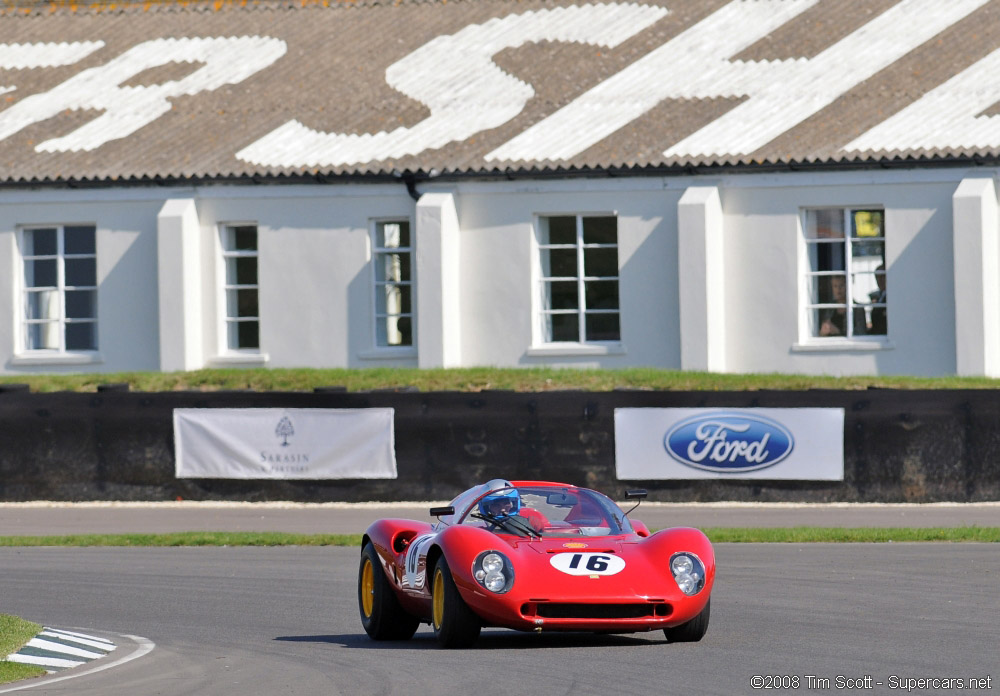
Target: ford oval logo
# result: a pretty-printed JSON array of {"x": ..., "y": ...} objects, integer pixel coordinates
[{"x": 729, "y": 442}]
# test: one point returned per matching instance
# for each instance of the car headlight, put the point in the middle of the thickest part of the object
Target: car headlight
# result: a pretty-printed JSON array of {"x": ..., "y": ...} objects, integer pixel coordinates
[
  {"x": 493, "y": 571},
  {"x": 688, "y": 571}
]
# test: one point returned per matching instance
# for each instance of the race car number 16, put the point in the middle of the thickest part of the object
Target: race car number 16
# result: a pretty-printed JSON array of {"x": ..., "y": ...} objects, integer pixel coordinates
[{"x": 587, "y": 563}]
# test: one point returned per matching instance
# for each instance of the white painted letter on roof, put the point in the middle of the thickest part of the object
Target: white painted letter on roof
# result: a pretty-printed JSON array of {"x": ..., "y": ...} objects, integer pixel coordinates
[
  {"x": 455, "y": 77},
  {"x": 17, "y": 56},
  {"x": 948, "y": 117},
  {"x": 127, "y": 109},
  {"x": 698, "y": 64}
]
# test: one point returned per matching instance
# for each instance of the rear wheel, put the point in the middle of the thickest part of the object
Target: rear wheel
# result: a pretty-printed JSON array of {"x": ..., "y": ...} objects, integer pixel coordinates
[
  {"x": 455, "y": 625},
  {"x": 692, "y": 631},
  {"x": 381, "y": 614}
]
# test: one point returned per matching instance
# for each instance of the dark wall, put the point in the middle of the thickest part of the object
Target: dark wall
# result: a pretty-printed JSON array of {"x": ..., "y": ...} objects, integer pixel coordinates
[{"x": 899, "y": 446}]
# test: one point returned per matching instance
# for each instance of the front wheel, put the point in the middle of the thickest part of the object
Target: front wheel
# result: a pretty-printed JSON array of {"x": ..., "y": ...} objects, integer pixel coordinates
[
  {"x": 381, "y": 614},
  {"x": 692, "y": 631},
  {"x": 455, "y": 625}
]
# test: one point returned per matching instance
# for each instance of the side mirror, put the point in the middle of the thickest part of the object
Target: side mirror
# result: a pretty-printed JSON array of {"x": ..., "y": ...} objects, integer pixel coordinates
[
  {"x": 636, "y": 494},
  {"x": 441, "y": 511}
]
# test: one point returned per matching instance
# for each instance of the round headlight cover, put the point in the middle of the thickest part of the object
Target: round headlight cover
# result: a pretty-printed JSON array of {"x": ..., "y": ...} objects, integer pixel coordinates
[
  {"x": 688, "y": 572},
  {"x": 493, "y": 571}
]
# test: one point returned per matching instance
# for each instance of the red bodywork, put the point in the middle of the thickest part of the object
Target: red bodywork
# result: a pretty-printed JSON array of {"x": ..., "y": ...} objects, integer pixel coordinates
[{"x": 642, "y": 596}]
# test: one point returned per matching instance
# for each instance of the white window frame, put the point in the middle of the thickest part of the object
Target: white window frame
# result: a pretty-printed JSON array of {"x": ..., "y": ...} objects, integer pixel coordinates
[
  {"x": 29, "y": 356},
  {"x": 391, "y": 351},
  {"x": 254, "y": 355},
  {"x": 808, "y": 342},
  {"x": 541, "y": 347}
]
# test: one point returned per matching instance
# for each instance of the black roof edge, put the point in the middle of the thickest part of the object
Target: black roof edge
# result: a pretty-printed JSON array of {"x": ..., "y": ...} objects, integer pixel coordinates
[{"x": 410, "y": 178}]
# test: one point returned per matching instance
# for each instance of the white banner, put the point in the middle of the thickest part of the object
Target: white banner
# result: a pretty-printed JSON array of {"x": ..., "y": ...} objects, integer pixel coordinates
[
  {"x": 284, "y": 443},
  {"x": 805, "y": 444}
]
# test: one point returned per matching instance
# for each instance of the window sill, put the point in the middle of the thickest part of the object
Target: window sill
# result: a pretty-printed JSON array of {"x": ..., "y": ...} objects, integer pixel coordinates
[
  {"x": 839, "y": 345},
  {"x": 573, "y": 349},
  {"x": 53, "y": 358},
  {"x": 406, "y": 352},
  {"x": 239, "y": 360}
]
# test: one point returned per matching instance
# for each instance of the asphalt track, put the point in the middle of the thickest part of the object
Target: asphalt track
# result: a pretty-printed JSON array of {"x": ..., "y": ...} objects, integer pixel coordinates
[
  {"x": 254, "y": 621},
  {"x": 268, "y": 621},
  {"x": 39, "y": 519}
]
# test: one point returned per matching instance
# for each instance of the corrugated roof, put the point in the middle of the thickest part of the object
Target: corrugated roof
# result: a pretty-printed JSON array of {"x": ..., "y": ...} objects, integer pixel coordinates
[{"x": 112, "y": 92}]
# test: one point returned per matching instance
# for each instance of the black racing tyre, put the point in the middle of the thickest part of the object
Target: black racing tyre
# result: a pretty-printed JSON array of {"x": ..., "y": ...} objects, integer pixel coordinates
[
  {"x": 455, "y": 625},
  {"x": 692, "y": 631},
  {"x": 381, "y": 614}
]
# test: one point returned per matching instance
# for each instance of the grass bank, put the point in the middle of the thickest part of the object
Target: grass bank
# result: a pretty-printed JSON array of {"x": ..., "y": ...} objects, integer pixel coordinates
[
  {"x": 14, "y": 633},
  {"x": 716, "y": 534},
  {"x": 477, "y": 379}
]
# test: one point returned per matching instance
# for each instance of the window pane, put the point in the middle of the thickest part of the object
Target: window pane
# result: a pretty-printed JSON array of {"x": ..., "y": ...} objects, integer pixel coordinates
[
  {"x": 81, "y": 304},
  {"x": 40, "y": 274},
  {"x": 602, "y": 294},
  {"x": 40, "y": 242},
  {"x": 600, "y": 230},
  {"x": 824, "y": 224},
  {"x": 241, "y": 270},
  {"x": 244, "y": 334},
  {"x": 561, "y": 295},
  {"x": 42, "y": 304},
  {"x": 866, "y": 224},
  {"x": 242, "y": 238},
  {"x": 562, "y": 327},
  {"x": 42, "y": 336},
  {"x": 81, "y": 272},
  {"x": 561, "y": 263},
  {"x": 826, "y": 257},
  {"x": 241, "y": 303},
  {"x": 603, "y": 327},
  {"x": 81, "y": 336},
  {"x": 557, "y": 230},
  {"x": 393, "y": 299},
  {"x": 394, "y": 331},
  {"x": 391, "y": 235},
  {"x": 80, "y": 240},
  {"x": 392, "y": 267},
  {"x": 600, "y": 262}
]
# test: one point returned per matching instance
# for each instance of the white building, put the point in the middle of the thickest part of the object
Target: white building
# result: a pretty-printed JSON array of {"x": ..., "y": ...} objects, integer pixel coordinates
[{"x": 704, "y": 184}]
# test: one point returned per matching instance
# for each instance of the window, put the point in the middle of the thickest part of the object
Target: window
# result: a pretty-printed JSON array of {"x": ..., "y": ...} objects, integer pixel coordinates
[
  {"x": 846, "y": 256},
  {"x": 392, "y": 255},
  {"x": 579, "y": 279},
  {"x": 60, "y": 288},
  {"x": 239, "y": 254}
]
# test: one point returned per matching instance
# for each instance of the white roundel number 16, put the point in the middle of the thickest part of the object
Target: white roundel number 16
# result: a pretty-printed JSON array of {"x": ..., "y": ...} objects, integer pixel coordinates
[{"x": 587, "y": 563}]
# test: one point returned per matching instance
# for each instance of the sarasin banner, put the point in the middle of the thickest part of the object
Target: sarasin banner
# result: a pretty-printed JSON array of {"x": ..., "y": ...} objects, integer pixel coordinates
[
  {"x": 284, "y": 443},
  {"x": 730, "y": 443}
]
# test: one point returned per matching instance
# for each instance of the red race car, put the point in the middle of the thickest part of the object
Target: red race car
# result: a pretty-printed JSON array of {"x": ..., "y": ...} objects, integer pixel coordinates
[{"x": 533, "y": 556}]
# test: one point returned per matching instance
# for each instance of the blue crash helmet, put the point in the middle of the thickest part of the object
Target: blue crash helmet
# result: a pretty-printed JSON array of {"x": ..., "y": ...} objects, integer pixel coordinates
[{"x": 492, "y": 505}]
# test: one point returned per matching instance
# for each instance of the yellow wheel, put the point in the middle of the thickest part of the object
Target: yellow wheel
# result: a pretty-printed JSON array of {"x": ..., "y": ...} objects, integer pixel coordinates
[
  {"x": 438, "y": 601},
  {"x": 381, "y": 613},
  {"x": 367, "y": 588},
  {"x": 455, "y": 625}
]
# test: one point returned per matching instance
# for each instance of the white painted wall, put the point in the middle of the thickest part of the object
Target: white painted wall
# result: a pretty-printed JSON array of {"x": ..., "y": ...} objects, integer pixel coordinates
[{"x": 316, "y": 295}]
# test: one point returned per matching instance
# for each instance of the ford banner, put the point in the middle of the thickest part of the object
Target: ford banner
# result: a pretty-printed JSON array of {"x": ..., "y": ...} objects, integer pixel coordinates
[{"x": 731, "y": 443}]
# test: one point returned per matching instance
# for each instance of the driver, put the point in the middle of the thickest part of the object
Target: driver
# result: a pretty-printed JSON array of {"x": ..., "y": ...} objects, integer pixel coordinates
[{"x": 501, "y": 504}]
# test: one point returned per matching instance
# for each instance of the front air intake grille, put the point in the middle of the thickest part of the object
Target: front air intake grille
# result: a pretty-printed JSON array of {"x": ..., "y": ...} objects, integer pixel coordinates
[{"x": 558, "y": 610}]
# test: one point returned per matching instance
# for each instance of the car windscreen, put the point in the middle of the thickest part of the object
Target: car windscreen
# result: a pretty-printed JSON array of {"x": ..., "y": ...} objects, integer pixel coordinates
[{"x": 547, "y": 511}]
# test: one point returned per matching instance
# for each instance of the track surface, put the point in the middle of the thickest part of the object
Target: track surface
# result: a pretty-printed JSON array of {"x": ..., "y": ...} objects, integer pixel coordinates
[
  {"x": 37, "y": 519},
  {"x": 284, "y": 620}
]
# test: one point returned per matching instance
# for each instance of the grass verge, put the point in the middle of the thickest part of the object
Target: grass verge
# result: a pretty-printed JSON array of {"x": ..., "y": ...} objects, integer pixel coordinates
[
  {"x": 716, "y": 534},
  {"x": 474, "y": 379},
  {"x": 14, "y": 633}
]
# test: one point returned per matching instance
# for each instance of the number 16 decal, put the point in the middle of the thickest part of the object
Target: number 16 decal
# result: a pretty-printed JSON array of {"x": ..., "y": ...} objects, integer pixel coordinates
[{"x": 587, "y": 563}]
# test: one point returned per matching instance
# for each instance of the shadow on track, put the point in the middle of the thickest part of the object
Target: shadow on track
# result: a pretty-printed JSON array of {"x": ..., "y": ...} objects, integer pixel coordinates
[{"x": 489, "y": 640}]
